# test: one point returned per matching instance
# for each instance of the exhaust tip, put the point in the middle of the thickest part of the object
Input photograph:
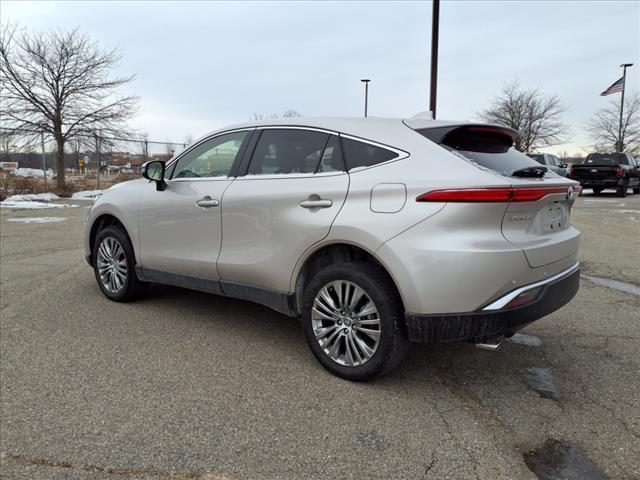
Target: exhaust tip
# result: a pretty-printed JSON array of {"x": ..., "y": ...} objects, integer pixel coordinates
[{"x": 490, "y": 346}]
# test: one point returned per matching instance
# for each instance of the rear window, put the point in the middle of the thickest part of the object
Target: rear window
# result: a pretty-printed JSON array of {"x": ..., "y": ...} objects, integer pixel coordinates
[
  {"x": 537, "y": 157},
  {"x": 606, "y": 159},
  {"x": 360, "y": 154},
  {"x": 488, "y": 147}
]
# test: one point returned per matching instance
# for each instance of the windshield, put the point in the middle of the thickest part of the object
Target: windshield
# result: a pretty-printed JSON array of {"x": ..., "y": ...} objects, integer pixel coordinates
[{"x": 605, "y": 159}]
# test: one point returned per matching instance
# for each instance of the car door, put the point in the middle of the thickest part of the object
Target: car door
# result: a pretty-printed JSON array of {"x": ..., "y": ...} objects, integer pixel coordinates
[
  {"x": 293, "y": 187},
  {"x": 180, "y": 227}
]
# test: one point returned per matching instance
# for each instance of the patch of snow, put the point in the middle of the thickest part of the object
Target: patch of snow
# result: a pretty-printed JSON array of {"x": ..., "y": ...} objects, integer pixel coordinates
[
  {"x": 36, "y": 219},
  {"x": 31, "y": 172},
  {"x": 86, "y": 195},
  {"x": 36, "y": 197},
  {"x": 29, "y": 205}
]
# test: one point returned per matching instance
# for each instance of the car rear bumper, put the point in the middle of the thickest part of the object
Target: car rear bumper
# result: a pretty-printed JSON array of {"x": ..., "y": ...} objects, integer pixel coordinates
[
  {"x": 491, "y": 322},
  {"x": 604, "y": 182}
]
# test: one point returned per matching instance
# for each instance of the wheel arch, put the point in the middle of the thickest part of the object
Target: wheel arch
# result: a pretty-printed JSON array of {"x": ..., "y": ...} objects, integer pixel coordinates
[
  {"x": 102, "y": 221},
  {"x": 329, "y": 254}
]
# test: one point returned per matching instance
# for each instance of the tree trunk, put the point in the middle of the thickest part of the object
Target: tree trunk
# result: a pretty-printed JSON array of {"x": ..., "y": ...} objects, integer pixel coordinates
[{"x": 60, "y": 162}]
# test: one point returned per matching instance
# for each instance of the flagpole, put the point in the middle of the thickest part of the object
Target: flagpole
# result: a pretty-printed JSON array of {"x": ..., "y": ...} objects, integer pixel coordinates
[{"x": 624, "y": 79}]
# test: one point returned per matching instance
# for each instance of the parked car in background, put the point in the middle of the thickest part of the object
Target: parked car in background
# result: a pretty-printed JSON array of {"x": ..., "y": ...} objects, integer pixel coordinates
[
  {"x": 375, "y": 232},
  {"x": 619, "y": 171},
  {"x": 550, "y": 161}
]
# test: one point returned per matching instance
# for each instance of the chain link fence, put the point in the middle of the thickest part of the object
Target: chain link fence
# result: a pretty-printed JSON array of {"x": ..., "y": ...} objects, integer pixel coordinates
[{"x": 91, "y": 161}]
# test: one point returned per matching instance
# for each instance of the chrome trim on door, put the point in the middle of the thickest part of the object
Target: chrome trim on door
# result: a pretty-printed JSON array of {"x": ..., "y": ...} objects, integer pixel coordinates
[
  {"x": 207, "y": 202},
  {"x": 315, "y": 203}
]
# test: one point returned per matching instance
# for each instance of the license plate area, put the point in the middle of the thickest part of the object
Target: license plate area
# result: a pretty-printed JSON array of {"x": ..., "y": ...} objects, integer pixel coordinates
[{"x": 553, "y": 218}]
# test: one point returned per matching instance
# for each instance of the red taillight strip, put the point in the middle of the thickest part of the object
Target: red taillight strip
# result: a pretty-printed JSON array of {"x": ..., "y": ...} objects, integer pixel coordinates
[{"x": 491, "y": 195}]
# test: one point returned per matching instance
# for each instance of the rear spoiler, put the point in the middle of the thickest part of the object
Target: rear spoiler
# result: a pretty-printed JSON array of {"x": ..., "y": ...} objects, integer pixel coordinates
[{"x": 474, "y": 137}]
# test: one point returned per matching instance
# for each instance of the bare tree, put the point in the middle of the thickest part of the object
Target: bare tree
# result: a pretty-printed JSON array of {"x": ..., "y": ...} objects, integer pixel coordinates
[
  {"x": 287, "y": 114},
  {"x": 60, "y": 82},
  {"x": 537, "y": 117},
  {"x": 603, "y": 126},
  {"x": 291, "y": 114}
]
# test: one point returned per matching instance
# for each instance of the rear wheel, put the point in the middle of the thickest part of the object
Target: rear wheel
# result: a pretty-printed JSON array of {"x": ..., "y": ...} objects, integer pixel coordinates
[
  {"x": 597, "y": 190},
  {"x": 114, "y": 265},
  {"x": 636, "y": 190},
  {"x": 352, "y": 316},
  {"x": 622, "y": 191}
]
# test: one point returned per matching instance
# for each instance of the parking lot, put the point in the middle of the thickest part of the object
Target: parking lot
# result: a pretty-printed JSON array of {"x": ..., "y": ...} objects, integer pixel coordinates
[{"x": 187, "y": 385}]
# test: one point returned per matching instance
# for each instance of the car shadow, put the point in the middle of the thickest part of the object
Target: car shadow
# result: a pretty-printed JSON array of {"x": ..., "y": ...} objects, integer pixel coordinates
[{"x": 454, "y": 363}]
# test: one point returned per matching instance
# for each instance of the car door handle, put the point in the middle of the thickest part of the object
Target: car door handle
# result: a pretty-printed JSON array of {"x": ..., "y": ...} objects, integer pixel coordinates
[
  {"x": 207, "y": 202},
  {"x": 315, "y": 203}
]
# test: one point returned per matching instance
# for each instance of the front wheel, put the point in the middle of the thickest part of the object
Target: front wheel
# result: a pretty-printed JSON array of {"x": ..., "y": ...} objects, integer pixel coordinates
[
  {"x": 114, "y": 265},
  {"x": 352, "y": 318}
]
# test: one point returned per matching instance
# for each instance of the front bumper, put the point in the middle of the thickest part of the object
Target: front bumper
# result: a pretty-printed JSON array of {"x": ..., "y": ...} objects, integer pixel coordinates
[{"x": 489, "y": 323}]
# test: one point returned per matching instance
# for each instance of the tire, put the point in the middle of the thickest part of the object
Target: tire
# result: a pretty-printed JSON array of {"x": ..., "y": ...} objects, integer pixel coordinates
[
  {"x": 636, "y": 190},
  {"x": 597, "y": 190},
  {"x": 622, "y": 191},
  {"x": 122, "y": 284},
  {"x": 379, "y": 293}
]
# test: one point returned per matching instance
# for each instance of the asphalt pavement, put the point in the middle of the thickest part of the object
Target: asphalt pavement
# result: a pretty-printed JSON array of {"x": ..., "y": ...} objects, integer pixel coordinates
[{"x": 186, "y": 385}]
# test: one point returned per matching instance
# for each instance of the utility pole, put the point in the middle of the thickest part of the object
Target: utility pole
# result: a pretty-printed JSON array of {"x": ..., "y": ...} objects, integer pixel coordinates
[
  {"x": 624, "y": 79},
  {"x": 97, "y": 160},
  {"x": 44, "y": 160},
  {"x": 435, "y": 25},
  {"x": 366, "y": 94}
]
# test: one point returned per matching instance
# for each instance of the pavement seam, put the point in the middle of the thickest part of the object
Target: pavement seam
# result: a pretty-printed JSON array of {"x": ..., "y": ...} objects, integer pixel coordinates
[{"x": 158, "y": 472}]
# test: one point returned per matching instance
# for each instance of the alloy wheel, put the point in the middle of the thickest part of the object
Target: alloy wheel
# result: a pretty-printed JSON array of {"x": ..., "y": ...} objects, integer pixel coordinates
[
  {"x": 346, "y": 323},
  {"x": 112, "y": 264}
]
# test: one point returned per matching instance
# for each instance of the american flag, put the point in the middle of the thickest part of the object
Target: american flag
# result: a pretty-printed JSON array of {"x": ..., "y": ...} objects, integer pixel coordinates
[{"x": 617, "y": 86}]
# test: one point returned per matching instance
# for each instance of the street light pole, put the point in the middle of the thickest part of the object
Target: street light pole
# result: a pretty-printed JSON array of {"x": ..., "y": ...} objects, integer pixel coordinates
[
  {"x": 624, "y": 79},
  {"x": 435, "y": 25},
  {"x": 366, "y": 94},
  {"x": 44, "y": 160}
]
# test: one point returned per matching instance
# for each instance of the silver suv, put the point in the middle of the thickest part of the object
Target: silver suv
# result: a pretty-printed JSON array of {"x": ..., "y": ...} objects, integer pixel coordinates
[{"x": 375, "y": 232}]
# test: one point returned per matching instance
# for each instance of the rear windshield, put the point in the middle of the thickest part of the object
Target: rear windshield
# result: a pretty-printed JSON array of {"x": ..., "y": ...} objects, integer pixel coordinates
[
  {"x": 487, "y": 148},
  {"x": 606, "y": 159},
  {"x": 537, "y": 157}
]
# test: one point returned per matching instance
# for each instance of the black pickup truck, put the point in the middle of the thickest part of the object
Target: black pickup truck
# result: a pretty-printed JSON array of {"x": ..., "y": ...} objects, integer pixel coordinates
[{"x": 618, "y": 171}]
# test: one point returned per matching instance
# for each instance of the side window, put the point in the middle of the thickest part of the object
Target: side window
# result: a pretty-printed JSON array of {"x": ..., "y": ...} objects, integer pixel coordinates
[
  {"x": 360, "y": 154},
  {"x": 332, "y": 160},
  {"x": 286, "y": 151},
  {"x": 212, "y": 158}
]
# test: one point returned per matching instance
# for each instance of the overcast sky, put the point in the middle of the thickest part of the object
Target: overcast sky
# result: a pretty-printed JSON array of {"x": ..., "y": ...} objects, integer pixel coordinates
[{"x": 203, "y": 65}]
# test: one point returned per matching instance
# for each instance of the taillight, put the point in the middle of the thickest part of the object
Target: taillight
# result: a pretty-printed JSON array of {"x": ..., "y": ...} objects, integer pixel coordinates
[
  {"x": 619, "y": 171},
  {"x": 490, "y": 195},
  {"x": 570, "y": 174}
]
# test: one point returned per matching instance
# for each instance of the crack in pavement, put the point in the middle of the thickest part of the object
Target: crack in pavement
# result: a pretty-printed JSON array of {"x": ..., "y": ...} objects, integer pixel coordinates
[
  {"x": 615, "y": 416},
  {"x": 430, "y": 466},
  {"x": 158, "y": 472}
]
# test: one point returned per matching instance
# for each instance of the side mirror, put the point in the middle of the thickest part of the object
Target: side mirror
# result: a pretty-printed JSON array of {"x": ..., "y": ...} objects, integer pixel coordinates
[{"x": 154, "y": 171}]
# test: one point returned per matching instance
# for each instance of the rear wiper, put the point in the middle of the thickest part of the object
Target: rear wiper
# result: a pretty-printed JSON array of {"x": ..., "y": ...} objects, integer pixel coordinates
[{"x": 536, "y": 172}]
